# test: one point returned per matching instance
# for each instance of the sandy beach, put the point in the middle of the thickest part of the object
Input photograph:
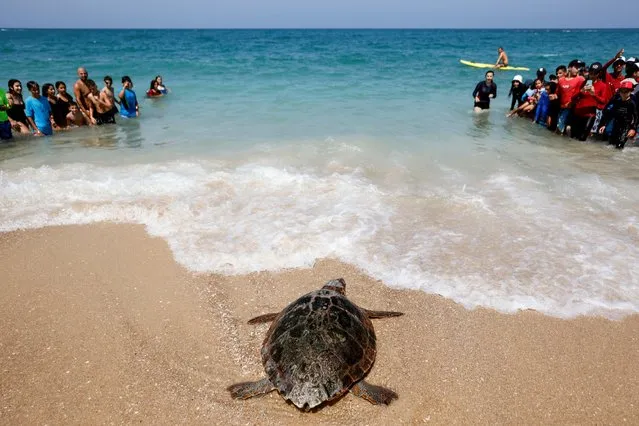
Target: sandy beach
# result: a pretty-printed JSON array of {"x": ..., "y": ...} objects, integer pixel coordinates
[{"x": 100, "y": 325}]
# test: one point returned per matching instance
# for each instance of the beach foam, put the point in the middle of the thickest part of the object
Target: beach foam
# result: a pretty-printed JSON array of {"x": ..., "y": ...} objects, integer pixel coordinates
[{"x": 505, "y": 242}]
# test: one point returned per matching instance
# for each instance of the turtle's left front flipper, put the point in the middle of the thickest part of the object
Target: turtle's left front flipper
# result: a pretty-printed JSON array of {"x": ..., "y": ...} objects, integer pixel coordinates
[
  {"x": 263, "y": 318},
  {"x": 373, "y": 394},
  {"x": 382, "y": 314}
]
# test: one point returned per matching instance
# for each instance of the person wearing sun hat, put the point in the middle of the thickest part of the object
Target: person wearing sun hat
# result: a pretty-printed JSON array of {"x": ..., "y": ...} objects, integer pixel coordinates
[
  {"x": 517, "y": 90},
  {"x": 623, "y": 112}
]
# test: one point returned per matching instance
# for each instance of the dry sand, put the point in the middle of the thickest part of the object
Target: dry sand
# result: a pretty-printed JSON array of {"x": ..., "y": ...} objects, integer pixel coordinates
[{"x": 100, "y": 325}]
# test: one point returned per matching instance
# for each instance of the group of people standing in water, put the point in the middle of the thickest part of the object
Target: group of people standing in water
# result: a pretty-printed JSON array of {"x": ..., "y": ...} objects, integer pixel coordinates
[
  {"x": 52, "y": 108},
  {"x": 577, "y": 101}
]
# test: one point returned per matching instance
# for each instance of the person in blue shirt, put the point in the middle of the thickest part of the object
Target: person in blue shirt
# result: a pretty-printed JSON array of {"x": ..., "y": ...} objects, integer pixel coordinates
[
  {"x": 544, "y": 111},
  {"x": 128, "y": 100},
  {"x": 38, "y": 111}
]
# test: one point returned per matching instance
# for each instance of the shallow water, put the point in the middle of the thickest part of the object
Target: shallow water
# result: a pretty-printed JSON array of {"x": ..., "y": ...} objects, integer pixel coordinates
[{"x": 276, "y": 148}]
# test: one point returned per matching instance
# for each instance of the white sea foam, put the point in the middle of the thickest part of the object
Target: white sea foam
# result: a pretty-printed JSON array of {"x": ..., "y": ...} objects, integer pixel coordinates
[{"x": 504, "y": 240}]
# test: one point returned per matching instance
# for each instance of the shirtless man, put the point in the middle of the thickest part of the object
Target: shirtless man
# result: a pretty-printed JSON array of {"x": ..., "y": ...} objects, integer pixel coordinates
[
  {"x": 108, "y": 90},
  {"x": 502, "y": 59},
  {"x": 81, "y": 92},
  {"x": 101, "y": 109}
]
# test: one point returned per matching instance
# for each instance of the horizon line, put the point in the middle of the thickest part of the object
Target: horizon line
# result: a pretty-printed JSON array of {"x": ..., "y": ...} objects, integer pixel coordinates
[{"x": 317, "y": 28}]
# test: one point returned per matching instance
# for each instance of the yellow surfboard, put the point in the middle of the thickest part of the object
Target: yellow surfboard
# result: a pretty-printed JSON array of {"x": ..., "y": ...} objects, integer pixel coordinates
[{"x": 479, "y": 65}]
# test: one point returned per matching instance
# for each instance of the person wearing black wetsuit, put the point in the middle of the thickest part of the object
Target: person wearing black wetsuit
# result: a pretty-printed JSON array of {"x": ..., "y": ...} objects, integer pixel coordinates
[
  {"x": 623, "y": 110},
  {"x": 484, "y": 91}
]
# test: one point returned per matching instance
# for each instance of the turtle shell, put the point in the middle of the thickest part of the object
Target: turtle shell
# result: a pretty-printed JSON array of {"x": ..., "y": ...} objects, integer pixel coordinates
[{"x": 318, "y": 347}]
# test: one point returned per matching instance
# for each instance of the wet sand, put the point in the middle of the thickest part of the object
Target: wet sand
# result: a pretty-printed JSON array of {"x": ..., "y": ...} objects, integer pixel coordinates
[{"x": 100, "y": 325}]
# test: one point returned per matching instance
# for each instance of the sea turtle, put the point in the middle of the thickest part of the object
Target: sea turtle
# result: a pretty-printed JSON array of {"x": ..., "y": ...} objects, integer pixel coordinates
[{"x": 318, "y": 348}]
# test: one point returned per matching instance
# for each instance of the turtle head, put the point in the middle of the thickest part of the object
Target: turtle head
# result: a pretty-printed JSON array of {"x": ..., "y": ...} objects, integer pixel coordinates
[{"x": 338, "y": 285}]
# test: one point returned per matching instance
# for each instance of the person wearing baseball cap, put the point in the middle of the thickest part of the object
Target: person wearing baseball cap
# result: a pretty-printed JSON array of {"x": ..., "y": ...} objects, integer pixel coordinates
[
  {"x": 631, "y": 72},
  {"x": 623, "y": 113},
  {"x": 600, "y": 90},
  {"x": 541, "y": 74},
  {"x": 588, "y": 104},
  {"x": 614, "y": 78}
]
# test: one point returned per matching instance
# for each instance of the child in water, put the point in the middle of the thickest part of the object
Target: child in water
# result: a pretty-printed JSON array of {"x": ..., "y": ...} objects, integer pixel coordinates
[
  {"x": 75, "y": 117},
  {"x": 623, "y": 111},
  {"x": 547, "y": 106}
]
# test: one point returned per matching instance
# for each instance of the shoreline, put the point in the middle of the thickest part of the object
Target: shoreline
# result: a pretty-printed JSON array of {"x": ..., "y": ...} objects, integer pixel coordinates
[{"x": 102, "y": 325}]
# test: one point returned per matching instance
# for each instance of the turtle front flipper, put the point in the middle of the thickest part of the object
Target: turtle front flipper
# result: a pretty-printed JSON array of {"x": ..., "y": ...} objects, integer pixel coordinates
[
  {"x": 382, "y": 314},
  {"x": 263, "y": 318},
  {"x": 246, "y": 390},
  {"x": 373, "y": 394}
]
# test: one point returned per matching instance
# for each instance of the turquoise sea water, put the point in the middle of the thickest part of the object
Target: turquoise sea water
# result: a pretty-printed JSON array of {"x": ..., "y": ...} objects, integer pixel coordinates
[{"x": 278, "y": 147}]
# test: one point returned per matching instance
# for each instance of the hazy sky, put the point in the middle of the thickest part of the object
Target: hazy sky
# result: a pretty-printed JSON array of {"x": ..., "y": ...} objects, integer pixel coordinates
[{"x": 315, "y": 14}]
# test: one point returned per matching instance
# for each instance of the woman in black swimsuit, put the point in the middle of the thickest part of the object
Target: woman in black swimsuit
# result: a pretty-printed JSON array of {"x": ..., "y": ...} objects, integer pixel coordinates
[
  {"x": 59, "y": 120},
  {"x": 16, "y": 114},
  {"x": 63, "y": 100}
]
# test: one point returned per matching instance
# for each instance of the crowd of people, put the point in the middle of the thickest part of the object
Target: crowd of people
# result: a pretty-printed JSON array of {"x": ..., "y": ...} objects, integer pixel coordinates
[
  {"x": 578, "y": 101},
  {"x": 52, "y": 108}
]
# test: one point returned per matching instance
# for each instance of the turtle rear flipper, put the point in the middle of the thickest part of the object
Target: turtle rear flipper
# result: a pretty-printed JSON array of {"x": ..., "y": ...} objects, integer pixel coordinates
[
  {"x": 246, "y": 390},
  {"x": 263, "y": 318},
  {"x": 373, "y": 394},
  {"x": 382, "y": 314}
]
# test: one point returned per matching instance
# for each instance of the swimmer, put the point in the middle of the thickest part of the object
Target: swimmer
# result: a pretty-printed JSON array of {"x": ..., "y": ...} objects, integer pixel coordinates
[
  {"x": 38, "y": 111},
  {"x": 154, "y": 89},
  {"x": 17, "y": 117},
  {"x": 502, "y": 59},
  {"x": 484, "y": 91},
  {"x": 75, "y": 117},
  {"x": 5, "y": 124},
  {"x": 128, "y": 99},
  {"x": 161, "y": 87},
  {"x": 108, "y": 91},
  {"x": 81, "y": 91},
  {"x": 62, "y": 107}
]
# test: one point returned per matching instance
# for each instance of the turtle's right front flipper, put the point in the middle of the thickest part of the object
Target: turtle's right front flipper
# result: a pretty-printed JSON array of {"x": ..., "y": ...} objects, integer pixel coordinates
[
  {"x": 246, "y": 390},
  {"x": 263, "y": 318},
  {"x": 373, "y": 394}
]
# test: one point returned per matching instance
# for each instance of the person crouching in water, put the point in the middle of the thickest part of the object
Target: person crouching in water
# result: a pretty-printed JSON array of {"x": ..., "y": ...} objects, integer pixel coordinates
[
  {"x": 623, "y": 111},
  {"x": 548, "y": 106},
  {"x": 531, "y": 97},
  {"x": 517, "y": 90},
  {"x": 484, "y": 91}
]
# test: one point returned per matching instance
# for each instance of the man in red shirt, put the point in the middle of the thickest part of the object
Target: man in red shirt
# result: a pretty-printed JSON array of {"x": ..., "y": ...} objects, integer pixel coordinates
[
  {"x": 568, "y": 87},
  {"x": 589, "y": 103},
  {"x": 614, "y": 78}
]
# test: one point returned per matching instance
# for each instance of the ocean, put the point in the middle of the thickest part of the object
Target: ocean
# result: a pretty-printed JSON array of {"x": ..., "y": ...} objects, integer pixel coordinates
[{"x": 276, "y": 148}]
